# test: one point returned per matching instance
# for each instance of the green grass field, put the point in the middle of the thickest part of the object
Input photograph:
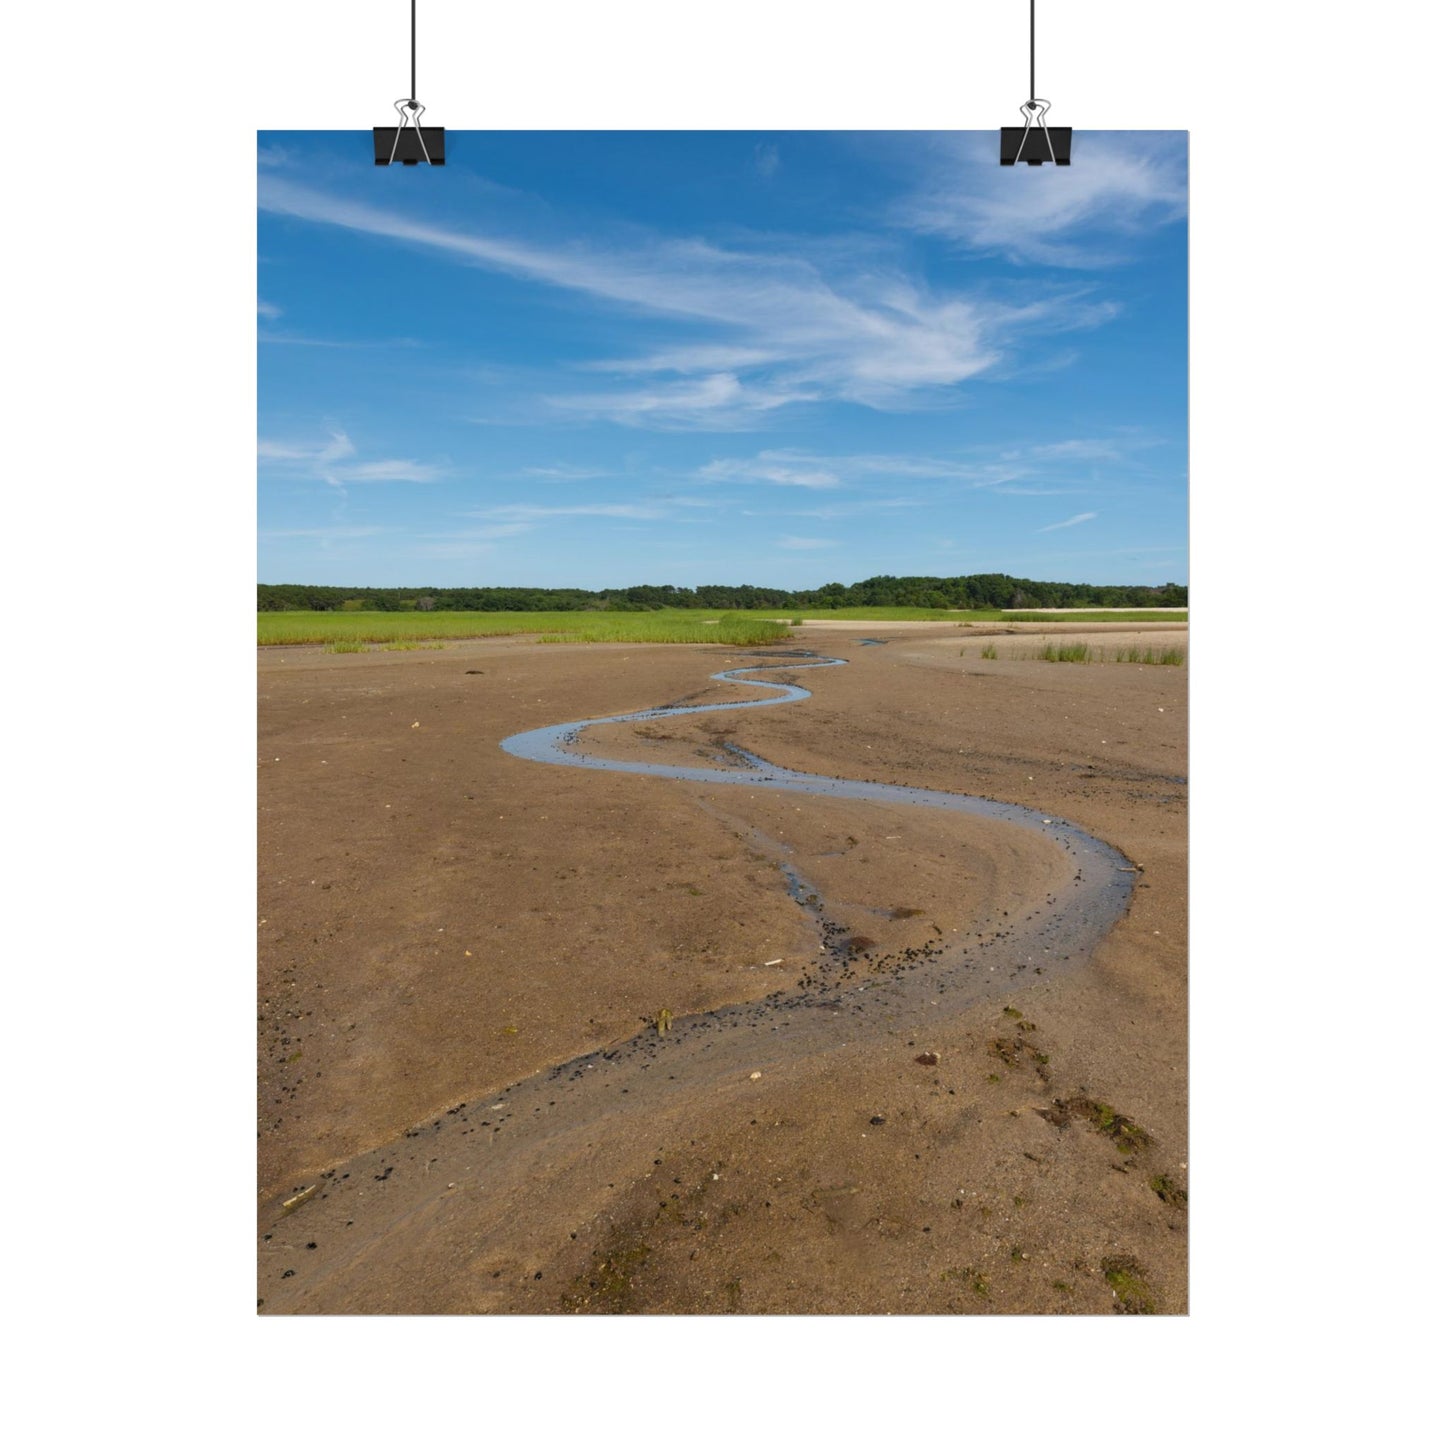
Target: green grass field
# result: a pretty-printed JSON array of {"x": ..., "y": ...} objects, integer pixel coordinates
[
  {"x": 736, "y": 629},
  {"x": 346, "y": 628}
]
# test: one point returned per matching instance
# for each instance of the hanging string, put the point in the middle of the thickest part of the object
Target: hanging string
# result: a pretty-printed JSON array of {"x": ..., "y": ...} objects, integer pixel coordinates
[
  {"x": 1014, "y": 142},
  {"x": 409, "y": 111},
  {"x": 1033, "y": 93}
]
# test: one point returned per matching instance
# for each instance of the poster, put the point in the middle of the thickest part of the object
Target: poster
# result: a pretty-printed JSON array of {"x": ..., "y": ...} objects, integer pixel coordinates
[{"x": 839, "y": 968}]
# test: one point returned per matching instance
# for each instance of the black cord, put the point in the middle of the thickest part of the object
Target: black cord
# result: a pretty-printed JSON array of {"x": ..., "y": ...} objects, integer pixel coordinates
[
  {"x": 1032, "y": 92},
  {"x": 413, "y": 51}
]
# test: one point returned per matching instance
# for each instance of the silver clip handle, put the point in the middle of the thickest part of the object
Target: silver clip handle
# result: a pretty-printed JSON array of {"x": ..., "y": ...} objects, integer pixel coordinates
[
  {"x": 1035, "y": 110},
  {"x": 410, "y": 111}
]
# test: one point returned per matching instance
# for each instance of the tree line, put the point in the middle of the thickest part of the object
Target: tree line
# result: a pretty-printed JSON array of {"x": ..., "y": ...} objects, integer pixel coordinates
[{"x": 985, "y": 590}]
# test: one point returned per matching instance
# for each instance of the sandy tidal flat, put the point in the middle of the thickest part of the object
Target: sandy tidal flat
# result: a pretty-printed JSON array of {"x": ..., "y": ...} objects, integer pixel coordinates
[{"x": 442, "y": 923}]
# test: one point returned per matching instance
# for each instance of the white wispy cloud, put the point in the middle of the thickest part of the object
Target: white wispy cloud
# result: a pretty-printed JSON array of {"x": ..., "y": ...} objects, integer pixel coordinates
[
  {"x": 1070, "y": 522},
  {"x": 1081, "y": 215},
  {"x": 1079, "y": 449},
  {"x": 1013, "y": 491},
  {"x": 781, "y": 468},
  {"x": 564, "y": 472},
  {"x": 333, "y": 449},
  {"x": 786, "y": 327},
  {"x": 873, "y": 482},
  {"x": 492, "y": 533},
  {"x": 329, "y": 534},
  {"x": 693, "y": 359},
  {"x": 267, "y": 310},
  {"x": 719, "y": 402},
  {"x": 789, "y": 467},
  {"x": 393, "y": 469},
  {"x": 464, "y": 542},
  {"x": 329, "y": 461},
  {"x": 524, "y": 512},
  {"x": 854, "y": 507},
  {"x": 281, "y": 338}
]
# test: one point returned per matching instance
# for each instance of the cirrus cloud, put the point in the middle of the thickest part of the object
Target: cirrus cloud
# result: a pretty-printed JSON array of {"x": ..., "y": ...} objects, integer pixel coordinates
[
  {"x": 1082, "y": 215},
  {"x": 780, "y": 326},
  {"x": 1070, "y": 522}
]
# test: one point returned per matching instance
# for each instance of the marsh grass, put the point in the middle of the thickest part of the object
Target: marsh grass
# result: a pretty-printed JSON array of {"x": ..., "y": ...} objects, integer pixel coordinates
[
  {"x": 990, "y": 653},
  {"x": 666, "y": 625},
  {"x": 1064, "y": 652},
  {"x": 1055, "y": 651},
  {"x": 351, "y": 631},
  {"x": 1151, "y": 656},
  {"x": 728, "y": 629}
]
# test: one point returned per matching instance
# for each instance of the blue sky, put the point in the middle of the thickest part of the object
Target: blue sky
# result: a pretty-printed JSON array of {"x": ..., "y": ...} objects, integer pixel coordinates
[{"x": 596, "y": 360}]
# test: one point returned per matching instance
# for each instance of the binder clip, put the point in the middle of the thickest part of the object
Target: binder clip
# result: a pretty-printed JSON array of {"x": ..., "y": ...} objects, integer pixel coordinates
[
  {"x": 1033, "y": 143},
  {"x": 411, "y": 142}
]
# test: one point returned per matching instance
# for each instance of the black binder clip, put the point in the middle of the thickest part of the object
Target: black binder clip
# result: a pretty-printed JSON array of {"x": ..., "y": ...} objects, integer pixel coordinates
[
  {"x": 1033, "y": 143},
  {"x": 411, "y": 142}
]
